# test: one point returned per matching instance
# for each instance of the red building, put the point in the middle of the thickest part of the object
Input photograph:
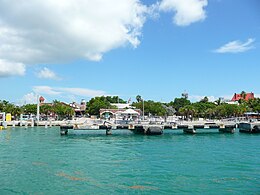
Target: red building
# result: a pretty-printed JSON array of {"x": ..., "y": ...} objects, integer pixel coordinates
[
  {"x": 41, "y": 99},
  {"x": 246, "y": 96}
]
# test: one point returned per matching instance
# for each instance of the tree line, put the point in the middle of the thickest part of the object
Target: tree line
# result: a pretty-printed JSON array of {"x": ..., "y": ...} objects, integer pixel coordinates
[
  {"x": 56, "y": 108},
  {"x": 180, "y": 106}
]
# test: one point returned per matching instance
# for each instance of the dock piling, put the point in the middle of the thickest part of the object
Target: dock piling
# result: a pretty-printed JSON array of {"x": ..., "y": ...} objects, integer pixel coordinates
[
  {"x": 46, "y": 125},
  {"x": 109, "y": 132},
  {"x": 26, "y": 125},
  {"x": 32, "y": 122},
  {"x": 189, "y": 131}
]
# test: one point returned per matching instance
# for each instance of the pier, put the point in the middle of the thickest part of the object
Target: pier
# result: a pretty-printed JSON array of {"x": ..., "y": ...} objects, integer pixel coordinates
[
  {"x": 249, "y": 127},
  {"x": 153, "y": 129},
  {"x": 143, "y": 128}
]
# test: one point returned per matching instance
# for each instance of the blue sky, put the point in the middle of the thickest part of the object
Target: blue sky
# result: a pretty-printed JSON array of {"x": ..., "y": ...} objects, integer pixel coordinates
[{"x": 157, "y": 49}]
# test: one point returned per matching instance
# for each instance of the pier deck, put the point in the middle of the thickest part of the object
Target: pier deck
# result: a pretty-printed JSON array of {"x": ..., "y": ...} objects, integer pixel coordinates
[{"x": 154, "y": 129}]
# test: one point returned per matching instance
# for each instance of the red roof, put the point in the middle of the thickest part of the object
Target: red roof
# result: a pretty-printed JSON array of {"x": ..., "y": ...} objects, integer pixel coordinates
[
  {"x": 247, "y": 97},
  {"x": 41, "y": 99}
]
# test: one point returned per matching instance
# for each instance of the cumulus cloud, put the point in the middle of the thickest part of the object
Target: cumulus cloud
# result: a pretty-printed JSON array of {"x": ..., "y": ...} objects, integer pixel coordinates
[
  {"x": 212, "y": 98},
  {"x": 236, "y": 46},
  {"x": 257, "y": 95},
  {"x": 30, "y": 98},
  {"x": 54, "y": 91},
  {"x": 60, "y": 31},
  {"x": 82, "y": 92},
  {"x": 8, "y": 68},
  {"x": 36, "y": 31},
  {"x": 46, "y": 73},
  {"x": 45, "y": 90},
  {"x": 196, "y": 98},
  {"x": 186, "y": 11}
]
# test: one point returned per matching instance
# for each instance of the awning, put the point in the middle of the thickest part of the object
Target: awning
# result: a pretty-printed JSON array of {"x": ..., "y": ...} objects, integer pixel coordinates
[{"x": 130, "y": 111}]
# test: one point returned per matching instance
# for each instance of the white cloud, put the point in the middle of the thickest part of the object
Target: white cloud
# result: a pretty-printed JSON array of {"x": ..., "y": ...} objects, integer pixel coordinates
[
  {"x": 46, "y": 73},
  {"x": 8, "y": 68},
  {"x": 36, "y": 31},
  {"x": 30, "y": 98},
  {"x": 212, "y": 98},
  {"x": 257, "y": 95},
  {"x": 186, "y": 11},
  {"x": 82, "y": 92},
  {"x": 45, "y": 90},
  {"x": 236, "y": 46},
  {"x": 42, "y": 32},
  {"x": 69, "y": 92},
  {"x": 196, "y": 98}
]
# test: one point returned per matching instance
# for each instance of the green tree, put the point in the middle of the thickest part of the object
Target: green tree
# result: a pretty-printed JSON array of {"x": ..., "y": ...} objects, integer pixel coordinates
[
  {"x": 205, "y": 100},
  {"x": 243, "y": 95},
  {"x": 218, "y": 101},
  {"x": 210, "y": 113},
  {"x": 29, "y": 109},
  {"x": 202, "y": 107},
  {"x": 7, "y": 107},
  {"x": 97, "y": 103},
  {"x": 62, "y": 110},
  {"x": 228, "y": 110},
  {"x": 115, "y": 99},
  {"x": 257, "y": 108},
  {"x": 188, "y": 111},
  {"x": 151, "y": 108},
  {"x": 252, "y": 104},
  {"x": 138, "y": 98},
  {"x": 46, "y": 109},
  {"x": 179, "y": 103}
]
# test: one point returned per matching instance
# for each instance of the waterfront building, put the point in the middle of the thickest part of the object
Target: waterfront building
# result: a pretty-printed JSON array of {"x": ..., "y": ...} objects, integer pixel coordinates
[
  {"x": 122, "y": 106},
  {"x": 243, "y": 96},
  {"x": 79, "y": 109},
  {"x": 122, "y": 111},
  {"x": 125, "y": 114},
  {"x": 252, "y": 115}
]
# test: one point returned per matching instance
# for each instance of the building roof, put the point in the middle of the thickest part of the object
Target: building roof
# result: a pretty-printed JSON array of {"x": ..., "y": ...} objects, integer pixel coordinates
[
  {"x": 247, "y": 97},
  {"x": 130, "y": 111},
  {"x": 121, "y": 106},
  {"x": 41, "y": 99}
]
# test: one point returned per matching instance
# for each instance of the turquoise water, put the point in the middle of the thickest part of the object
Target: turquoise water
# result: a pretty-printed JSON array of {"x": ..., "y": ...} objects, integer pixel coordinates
[{"x": 40, "y": 161}]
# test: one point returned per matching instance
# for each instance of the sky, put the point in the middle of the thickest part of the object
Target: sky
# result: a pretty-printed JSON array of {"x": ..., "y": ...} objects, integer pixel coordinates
[{"x": 75, "y": 49}]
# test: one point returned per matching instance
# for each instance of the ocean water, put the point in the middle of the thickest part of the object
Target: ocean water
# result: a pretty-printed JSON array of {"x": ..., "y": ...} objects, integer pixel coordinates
[{"x": 40, "y": 161}]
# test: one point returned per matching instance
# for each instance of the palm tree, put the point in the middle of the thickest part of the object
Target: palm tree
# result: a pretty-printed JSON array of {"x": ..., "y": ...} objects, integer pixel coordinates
[
  {"x": 210, "y": 113},
  {"x": 243, "y": 95},
  {"x": 138, "y": 98},
  {"x": 205, "y": 99},
  {"x": 218, "y": 101},
  {"x": 187, "y": 111}
]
